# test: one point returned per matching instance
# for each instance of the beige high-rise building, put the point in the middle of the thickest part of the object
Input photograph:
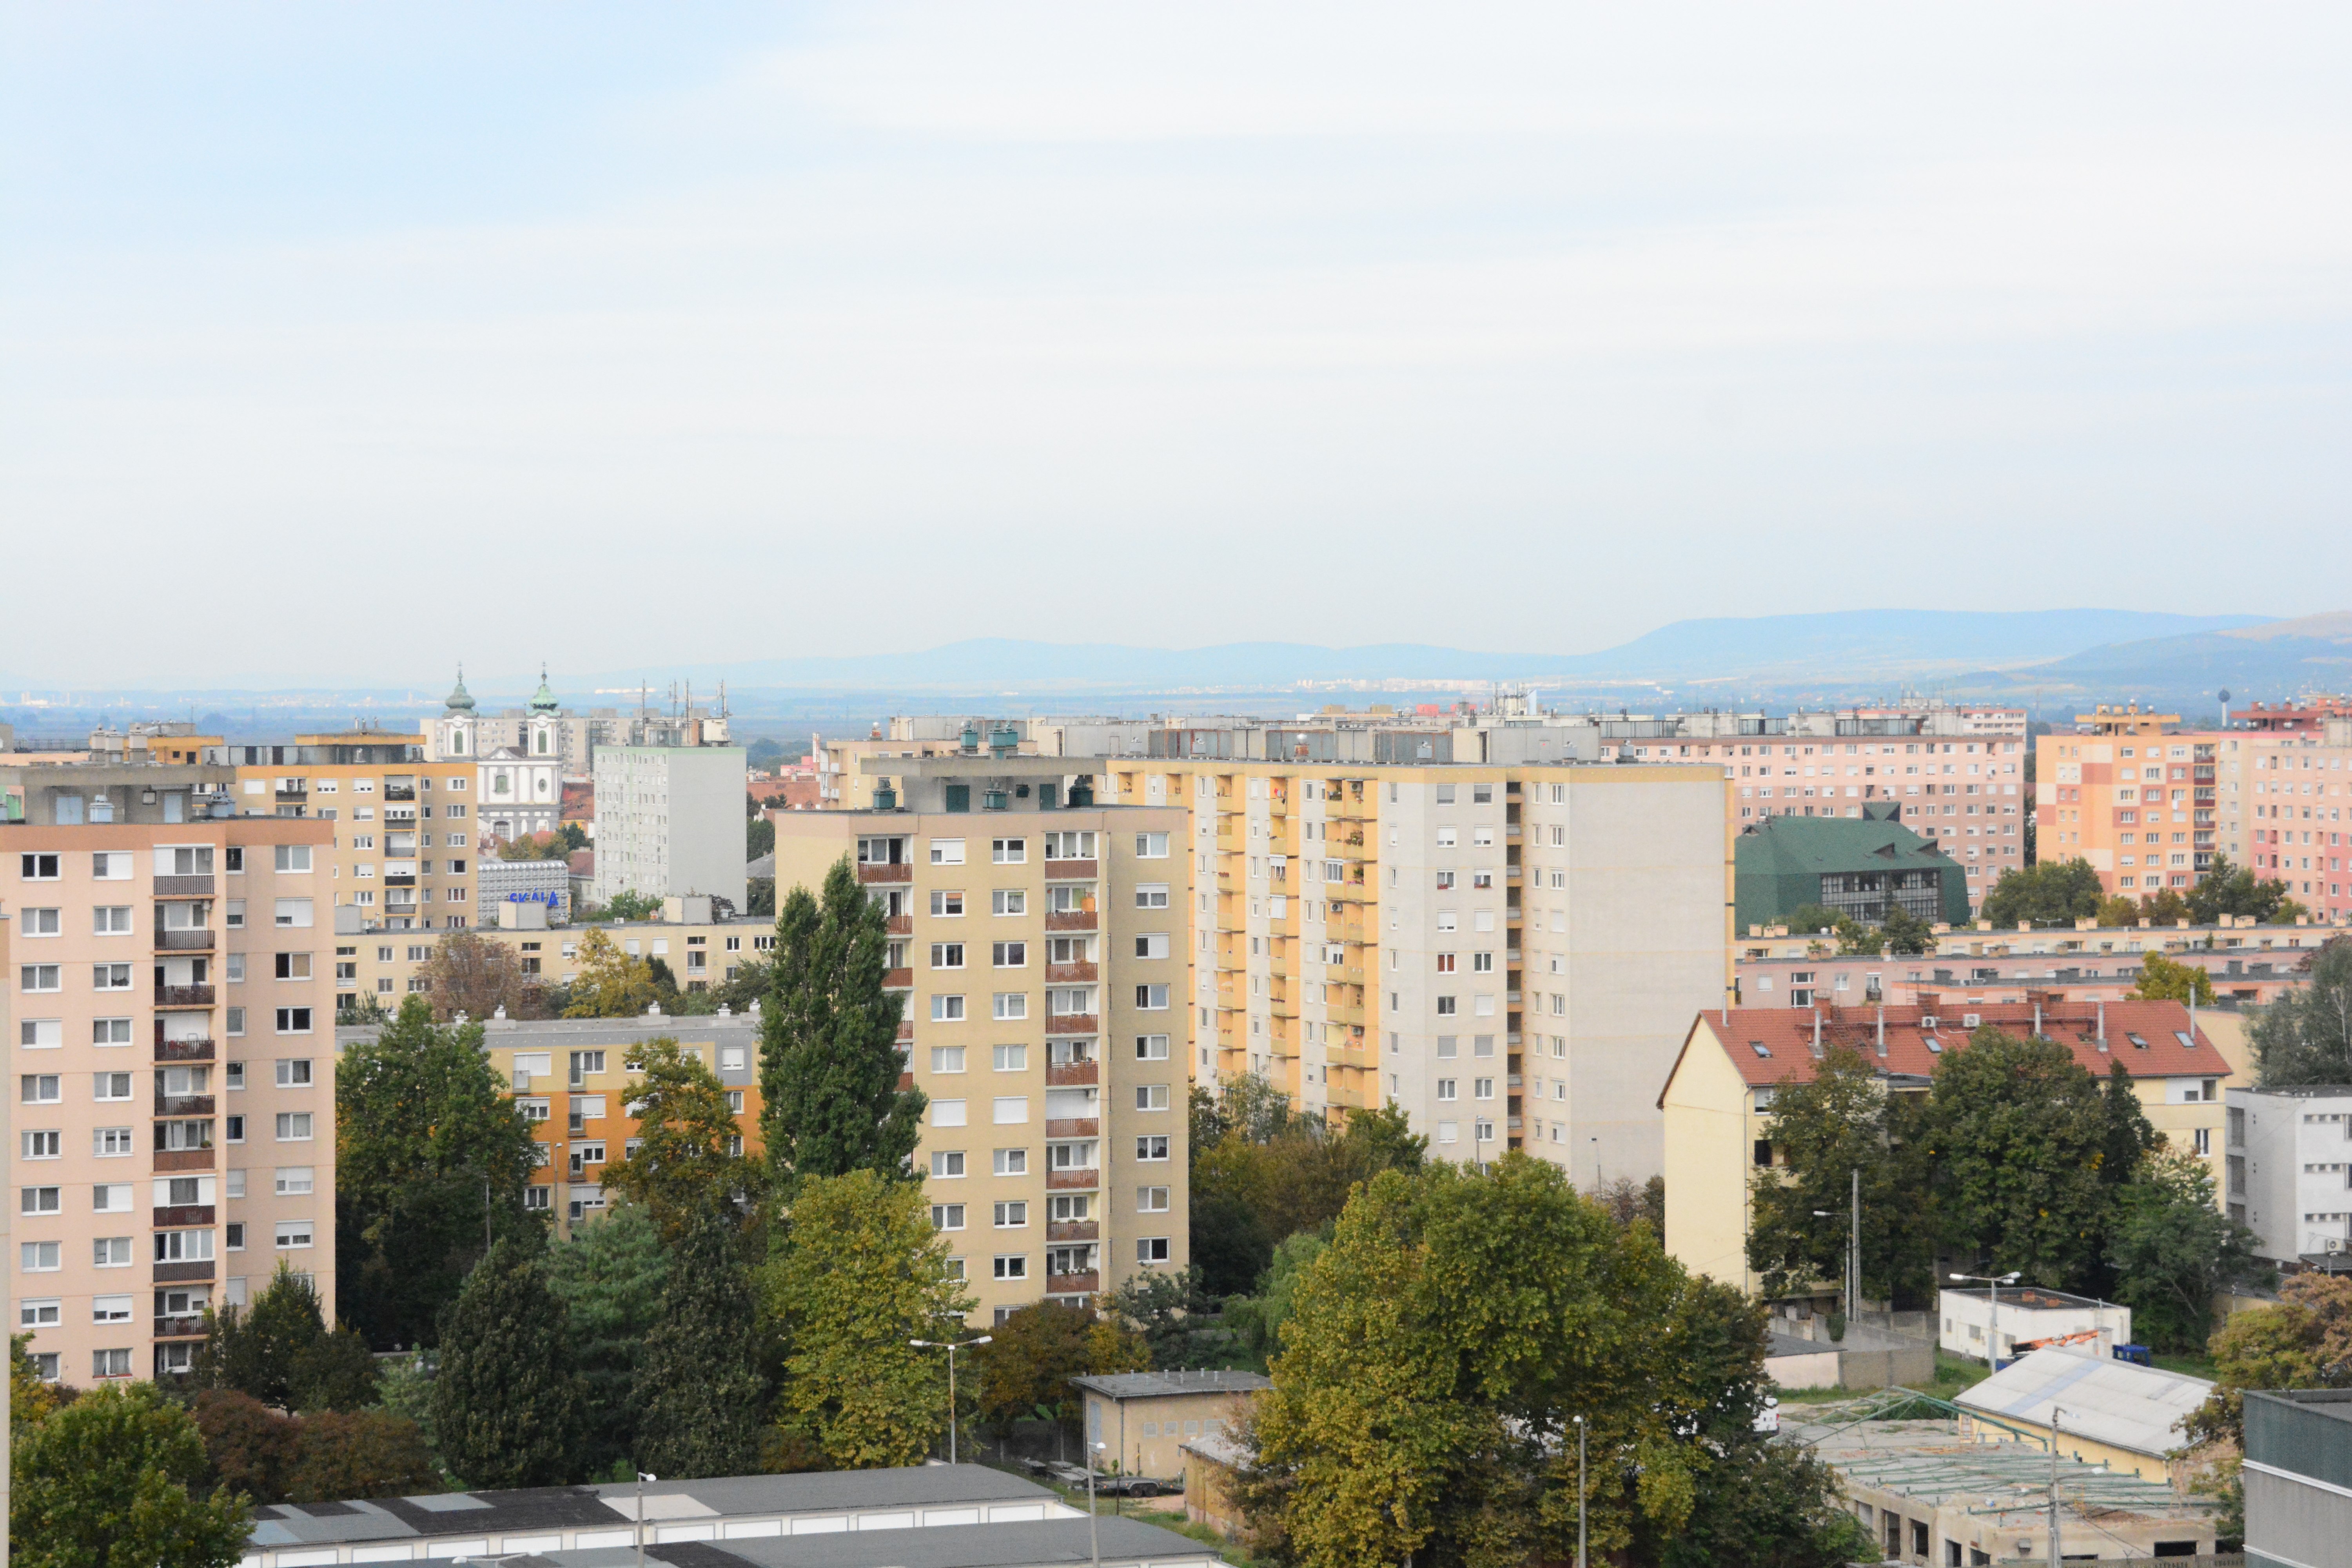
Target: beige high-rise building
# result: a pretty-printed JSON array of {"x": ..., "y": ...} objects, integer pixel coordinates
[
  {"x": 1037, "y": 939},
  {"x": 1510, "y": 954},
  {"x": 405, "y": 832},
  {"x": 170, "y": 1034}
]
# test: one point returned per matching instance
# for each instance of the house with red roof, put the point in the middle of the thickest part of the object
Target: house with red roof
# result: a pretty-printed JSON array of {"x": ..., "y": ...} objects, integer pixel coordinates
[{"x": 1718, "y": 1102}]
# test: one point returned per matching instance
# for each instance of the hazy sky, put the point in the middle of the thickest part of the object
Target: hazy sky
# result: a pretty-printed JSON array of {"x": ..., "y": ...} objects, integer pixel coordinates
[{"x": 336, "y": 341}]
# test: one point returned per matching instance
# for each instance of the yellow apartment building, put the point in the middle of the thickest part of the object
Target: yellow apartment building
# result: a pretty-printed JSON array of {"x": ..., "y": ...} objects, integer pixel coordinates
[
  {"x": 404, "y": 834},
  {"x": 1035, "y": 937},
  {"x": 701, "y": 953},
  {"x": 1717, "y": 1101},
  {"x": 168, "y": 1011}
]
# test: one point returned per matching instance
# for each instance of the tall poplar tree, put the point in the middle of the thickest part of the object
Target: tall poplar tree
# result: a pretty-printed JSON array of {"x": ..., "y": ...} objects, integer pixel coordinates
[
  {"x": 609, "y": 1276},
  {"x": 699, "y": 1390},
  {"x": 508, "y": 1404},
  {"x": 829, "y": 1061}
]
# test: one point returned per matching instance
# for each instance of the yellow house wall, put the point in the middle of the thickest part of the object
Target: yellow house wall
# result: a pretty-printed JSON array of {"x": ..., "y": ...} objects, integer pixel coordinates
[
  {"x": 1160, "y": 1455},
  {"x": 1709, "y": 1133}
]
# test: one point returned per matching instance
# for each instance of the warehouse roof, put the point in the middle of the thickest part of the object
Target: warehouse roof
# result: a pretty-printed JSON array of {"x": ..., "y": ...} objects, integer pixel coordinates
[
  {"x": 1044, "y": 1545},
  {"x": 2136, "y": 1409},
  {"x": 1159, "y": 1384}
]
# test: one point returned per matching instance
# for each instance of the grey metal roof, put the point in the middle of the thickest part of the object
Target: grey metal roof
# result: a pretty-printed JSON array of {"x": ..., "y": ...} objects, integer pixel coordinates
[
  {"x": 554, "y": 1508},
  {"x": 2137, "y": 1408},
  {"x": 1026, "y": 1545},
  {"x": 1159, "y": 1384}
]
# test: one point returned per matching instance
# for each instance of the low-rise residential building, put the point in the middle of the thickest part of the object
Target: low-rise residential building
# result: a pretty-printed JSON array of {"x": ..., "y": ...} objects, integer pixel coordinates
[
  {"x": 1718, "y": 1100},
  {"x": 1037, "y": 940},
  {"x": 175, "y": 1119},
  {"x": 1991, "y": 1323},
  {"x": 701, "y": 950},
  {"x": 2298, "y": 1477},
  {"x": 2289, "y": 1174},
  {"x": 1863, "y": 868},
  {"x": 2096, "y": 1409},
  {"x": 1144, "y": 1418}
]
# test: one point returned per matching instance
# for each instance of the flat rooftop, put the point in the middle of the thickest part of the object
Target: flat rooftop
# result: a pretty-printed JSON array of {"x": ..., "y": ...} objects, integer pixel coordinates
[
  {"x": 1160, "y": 1384},
  {"x": 1047, "y": 1543}
]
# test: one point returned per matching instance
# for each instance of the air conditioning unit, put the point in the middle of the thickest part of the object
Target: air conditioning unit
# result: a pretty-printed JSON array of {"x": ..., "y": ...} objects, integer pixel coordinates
[
  {"x": 1970, "y": 1020},
  {"x": 1927, "y": 1021},
  {"x": 2333, "y": 1246}
]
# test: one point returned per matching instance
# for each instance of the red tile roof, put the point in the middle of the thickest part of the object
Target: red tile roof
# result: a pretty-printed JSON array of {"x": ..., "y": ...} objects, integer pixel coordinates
[{"x": 2145, "y": 1036}]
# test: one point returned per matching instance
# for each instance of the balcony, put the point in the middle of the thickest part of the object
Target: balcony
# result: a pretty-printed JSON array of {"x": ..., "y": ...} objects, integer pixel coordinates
[
  {"x": 1345, "y": 1013},
  {"x": 899, "y": 925},
  {"x": 399, "y": 792},
  {"x": 1073, "y": 1024},
  {"x": 400, "y": 878},
  {"x": 905, "y": 1029},
  {"x": 898, "y": 980},
  {"x": 1080, "y": 1178},
  {"x": 1064, "y": 1074},
  {"x": 184, "y": 940},
  {"x": 1074, "y": 1126},
  {"x": 184, "y": 1105},
  {"x": 1070, "y": 872},
  {"x": 1073, "y": 1284},
  {"x": 173, "y": 1216},
  {"x": 1070, "y": 919},
  {"x": 183, "y": 1273},
  {"x": 184, "y": 887},
  {"x": 184, "y": 995},
  {"x": 182, "y": 1160},
  {"x": 870, "y": 873},
  {"x": 1058, "y": 973},
  {"x": 1073, "y": 1230},
  {"x": 1344, "y": 974},
  {"x": 180, "y": 1328},
  {"x": 183, "y": 1050},
  {"x": 299, "y": 792}
]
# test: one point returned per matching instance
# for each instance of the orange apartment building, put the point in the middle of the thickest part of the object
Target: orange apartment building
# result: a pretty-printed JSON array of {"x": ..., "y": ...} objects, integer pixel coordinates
[
  {"x": 167, "y": 1008},
  {"x": 404, "y": 838}
]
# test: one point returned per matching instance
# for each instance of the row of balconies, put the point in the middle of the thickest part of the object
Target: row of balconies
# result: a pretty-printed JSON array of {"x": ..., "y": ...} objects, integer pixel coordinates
[
  {"x": 183, "y": 1050},
  {"x": 184, "y": 995},
  {"x": 1073, "y": 1024},
  {"x": 1073, "y": 1230},
  {"x": 184, "y": 1105},
  {"x": 182, "y": 940}
]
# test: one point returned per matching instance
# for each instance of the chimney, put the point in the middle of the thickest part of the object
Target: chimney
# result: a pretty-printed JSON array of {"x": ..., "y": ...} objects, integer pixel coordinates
[
  {"x": 2102, "y": 1024},
  {"x": 2037, "y": 1017},
  {"x": 1817, "y": 1032}
]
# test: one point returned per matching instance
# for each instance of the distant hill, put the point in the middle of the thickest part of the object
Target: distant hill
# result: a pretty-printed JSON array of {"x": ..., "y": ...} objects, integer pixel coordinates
[{"x": 2273, "y": 661}]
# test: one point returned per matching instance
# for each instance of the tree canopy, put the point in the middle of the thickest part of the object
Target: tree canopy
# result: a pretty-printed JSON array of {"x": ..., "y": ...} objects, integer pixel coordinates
[
  {"x": 1032, "y": 1355},
  {"x": 2162, "y": 979},
  {"x": 612, "y": 984},
  {"x": 2171, "y": 1250},
  {"x": 829, "y": 1059},
  {"x": 610, "y": 1277},
  {"x": 509, "y": 1405},
  {"x": 472, "y": 974},
  {"x": 688, "y": 1163},
  {"x": 428, "y": 1145},
  {"x": 2226, "y": 888},
  {"x": 700, "y": 1390},
  {"x": 2304, "y": 1035},
  {"x": 2055, "y": 893},
  {"x": 1842, "y": 1122},
  {"x": 106, "y": 1482}
]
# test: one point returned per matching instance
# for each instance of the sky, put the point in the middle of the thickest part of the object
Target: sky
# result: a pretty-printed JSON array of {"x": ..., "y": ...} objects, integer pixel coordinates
[{"x": 337, "y": 343}]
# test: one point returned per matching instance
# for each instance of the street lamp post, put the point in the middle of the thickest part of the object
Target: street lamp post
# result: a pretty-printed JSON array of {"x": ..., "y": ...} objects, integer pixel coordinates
[
  {"x": 1094, "y": 1536},
  {"x": 1992, "y": 1284},
  {"x": 951, "y": 1346},
  {"x": 640, "y": 1531},
  {"x": 1580, "y": 1491},
  {"x": 1827, "y": 1214},
  {"x": 2053, "y": 1483}
]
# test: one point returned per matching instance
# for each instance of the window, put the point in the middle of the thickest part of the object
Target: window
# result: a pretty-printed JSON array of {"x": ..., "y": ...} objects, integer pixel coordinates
[
  {"x": 233, "y": 913},
  {"x": 1151, "y": 946},
  {"x": 1482, "y": 963},
  {"x": 1445, "y": 881},
  {"x": 947, "y": 955},
  {"x": 946, "y": 1216},
  {"x": 41, "y": 977},
  {"x": 1152, "y": 1148},
  {"x": 105, "y": 1143},
  {"x": 947, "y": 1058},
  {"x": 40, "y": 1200},
  {"x": 1151, "y": 998},
  {"x": 1445, "y": 839},
  {"x": 114, "y": 1251},
  {"x": 946, "y": 905},
  {"x": 233, "y": 1128},
  {"x": 947, "y": 1010},
  {"x": 293, "y": 1020},
  {"x": 1009, "y": 901},
  {"x": 109, "y": 919},
  {"x": 946, "y": 851},
  {"x": 236, "y": 1020},
  {"x": 1010, "y": 1004},
  {"x": 41, "y": 1145},
  {"x": 44, "y": 1256},
  {"x": 1152, "y": 1249},
  {"x": 947, "y": 1113},
  {"x": 1151, "y": 1047},
  {"x": 292, "y": 913},
  {"x": 233, "y": 1238},
  {"x": 1012, "y": 1161},
  {"x": 1011, "y": 954},
  {"x": 1011, "y": 1215},
  {"x": 1151, "y": 896},
  {"x": 1009, "y": 851},
  {"x": 41, "y": 1088},
  {"x": 1011, "y": 1110},
  {"x": 1447, "y": 1006},
  {"x": 38, "y": 867},
  {"x": 46, "y": 1314},
  {"x": 1151, "y": 1200},
  {"x": 294, "y": 1072},
  {"x": 293, "y": 856},
  {"x": 293, "y": 1234},
  {"x": 1151, "y": 846},
  {"x": 293, "y": 966},
  {"x": 1445, "y": 962},
  {"x": 1150, "y": 1096},
  {"x": 293, "y": 1126},
  {"x": 947, "y": 1163},
  {"x": 295, "y": 1181},
  {"x": 111, "y": 1086},
  {"x": 1011, "y": 1267},
  {"x": 585, "y": 1065},
  {"x": 234, "y": 1072},
  {"x": 44, "y": 1034},
  {"x": 1445, "y": 1089},
  {"x": 1010, "y": 1059},
  {"x": 1482, "y": 1087}
]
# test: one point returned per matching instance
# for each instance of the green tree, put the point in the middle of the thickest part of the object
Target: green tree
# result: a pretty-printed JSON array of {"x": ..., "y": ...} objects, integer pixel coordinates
[
  {"x": 688, "y": 1162},
  {"x": 699, "y": 1390},
  {"x": 360, "y": 1454},
  {"x": 2305, "y": 1340},
  {"x": 336, "y": 1371},
  {"x": 404, "y": 1388},
  {"x": 2055, "y": 893},
  {"x": 829, "y": 1061},
  {"x": 2171, "y": 1249},
  {"x": 862, "y": 1273},
  {"x": 2304, "y": 1035},
  {"x": 759, "y": 835},
  {"x": 104, "y": 1483},
  {"x": 2163, "y": 980},
  {"x": 2019, "y": 1133},
  {"x": 1812, "y": 920},
  {"x": 1026, "y": 1366},
  {"x": 1822, "y": 1132},
  {"x": 508, "y": 1402},
  {"x": 610, "y": 1277},
  {"x": 623, "y": 905},
  {"x": 1763, "y": 1503},
  {"x": 1257, "y": 1321},
  {"x": 2119, "y": 910},
  {"x": 2163, "y": 908},
  {"x": 1172, "y": 1311},
  {"x": 472, "y": 974},
  {"x": 760, "y": 896},
  {"x": 612, "y": 984},
  {"x": 2234, "y": 890},
  {"x": 428, "y": 1146},
  {"x": 259, "y": 1349},
  {"x": 29, "y": 1399},
  {"x": 1904, "y": 932},
  {"x": 750, "y": 983}
]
